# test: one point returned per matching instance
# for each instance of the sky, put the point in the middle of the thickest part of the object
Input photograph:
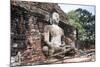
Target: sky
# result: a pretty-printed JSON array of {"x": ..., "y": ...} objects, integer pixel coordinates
[{"x": 67, "y": 7}]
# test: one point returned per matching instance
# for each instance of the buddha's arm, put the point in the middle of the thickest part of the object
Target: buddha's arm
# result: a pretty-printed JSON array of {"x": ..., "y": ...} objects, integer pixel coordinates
[{"x": 46, "y": 34}]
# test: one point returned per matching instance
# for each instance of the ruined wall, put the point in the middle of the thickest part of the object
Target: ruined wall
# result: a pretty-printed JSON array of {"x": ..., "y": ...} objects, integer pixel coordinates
[
  {"x": 42, "y": 8},
  {"x": 28, "y": 20}
]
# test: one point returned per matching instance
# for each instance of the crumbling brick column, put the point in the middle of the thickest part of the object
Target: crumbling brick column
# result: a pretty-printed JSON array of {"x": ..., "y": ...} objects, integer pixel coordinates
[{"x": 33, "y": 53}]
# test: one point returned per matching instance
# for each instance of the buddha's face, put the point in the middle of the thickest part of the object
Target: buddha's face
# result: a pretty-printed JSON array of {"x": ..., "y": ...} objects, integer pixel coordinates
[{"x": 55, "y": 17}]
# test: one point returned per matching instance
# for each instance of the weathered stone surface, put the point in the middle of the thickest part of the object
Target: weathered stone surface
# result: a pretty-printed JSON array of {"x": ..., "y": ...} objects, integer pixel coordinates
[
  {"x": 42, "y": 8},
  {"x": 28, "y": 20}
]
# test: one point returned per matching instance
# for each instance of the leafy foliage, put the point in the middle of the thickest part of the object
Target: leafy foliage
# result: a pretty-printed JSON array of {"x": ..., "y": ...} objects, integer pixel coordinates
[{"x": 84, "y": 21}]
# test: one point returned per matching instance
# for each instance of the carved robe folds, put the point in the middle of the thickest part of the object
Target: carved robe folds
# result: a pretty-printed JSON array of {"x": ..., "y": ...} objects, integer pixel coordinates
[{"x": 53, "y": 37}]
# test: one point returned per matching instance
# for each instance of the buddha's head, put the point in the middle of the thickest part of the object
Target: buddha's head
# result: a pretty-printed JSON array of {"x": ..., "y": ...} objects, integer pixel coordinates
[{"x": 55, "y": 18}]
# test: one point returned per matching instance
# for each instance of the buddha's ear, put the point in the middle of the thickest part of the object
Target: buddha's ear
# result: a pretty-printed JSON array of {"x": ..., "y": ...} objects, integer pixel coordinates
[
  {"x": 47, "y": 17},
  {"x": 51, "y": 21}
]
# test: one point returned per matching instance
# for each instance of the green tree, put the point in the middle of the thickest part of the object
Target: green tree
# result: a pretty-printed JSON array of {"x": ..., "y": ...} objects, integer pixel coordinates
[
  {"x": 74, "y": 21},
  {"x": 87, "y": 20},
  {"x": 84, "y": 21}
]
